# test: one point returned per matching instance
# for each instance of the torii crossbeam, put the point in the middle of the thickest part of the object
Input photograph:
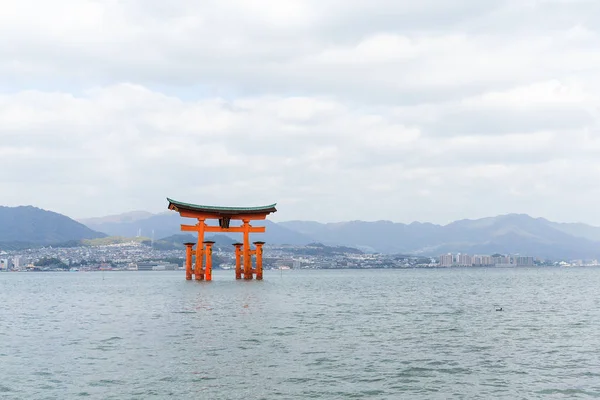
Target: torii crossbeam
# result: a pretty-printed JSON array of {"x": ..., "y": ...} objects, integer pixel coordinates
[{"x": 224, "y": 215}]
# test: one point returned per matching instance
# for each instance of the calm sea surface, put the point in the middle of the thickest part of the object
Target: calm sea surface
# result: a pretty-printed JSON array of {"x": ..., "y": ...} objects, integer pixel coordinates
[{"x": 380, "y": 334}]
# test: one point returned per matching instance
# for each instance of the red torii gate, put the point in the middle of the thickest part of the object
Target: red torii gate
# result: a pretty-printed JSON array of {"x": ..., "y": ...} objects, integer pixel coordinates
[{"x": 224, "y": 215}]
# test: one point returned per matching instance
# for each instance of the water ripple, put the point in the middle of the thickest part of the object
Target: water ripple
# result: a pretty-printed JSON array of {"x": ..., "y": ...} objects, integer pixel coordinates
[{"x": 416, "y": 334}]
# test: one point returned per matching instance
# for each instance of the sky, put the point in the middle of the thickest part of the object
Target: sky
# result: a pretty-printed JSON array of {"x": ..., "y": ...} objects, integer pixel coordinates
[{"x": 400, "y": 110}]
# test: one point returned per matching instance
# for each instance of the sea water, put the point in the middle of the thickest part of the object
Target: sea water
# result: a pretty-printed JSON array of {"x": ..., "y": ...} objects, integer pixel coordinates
[{"x": 325, "y": 334}]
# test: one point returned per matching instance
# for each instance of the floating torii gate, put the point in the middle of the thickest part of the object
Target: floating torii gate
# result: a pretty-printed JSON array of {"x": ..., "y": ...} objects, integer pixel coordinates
[{"x": 224, "y": 215}]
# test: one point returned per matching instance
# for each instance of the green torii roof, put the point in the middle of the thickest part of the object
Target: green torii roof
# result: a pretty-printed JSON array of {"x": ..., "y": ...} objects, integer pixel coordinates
[{"x": 180, "y": 206}]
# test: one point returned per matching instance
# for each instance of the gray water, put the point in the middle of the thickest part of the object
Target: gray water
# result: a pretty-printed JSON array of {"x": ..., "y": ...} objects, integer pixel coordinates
[{"x": 379, "y": 334}]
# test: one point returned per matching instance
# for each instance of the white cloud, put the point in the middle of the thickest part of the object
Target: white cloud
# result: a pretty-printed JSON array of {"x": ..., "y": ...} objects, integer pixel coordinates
[{"x": 395, "y": 110}]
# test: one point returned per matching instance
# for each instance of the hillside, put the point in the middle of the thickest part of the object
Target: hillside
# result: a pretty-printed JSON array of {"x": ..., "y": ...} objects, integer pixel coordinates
[
  {"x": 157, "y": 225},
  {"x": 32, "y": 225},
  {"x": 125, "y": 217},
  {"x": 512, "y": 233},
  {"x": 167, "y": 224},
  {"x": 174, "y": 242}
]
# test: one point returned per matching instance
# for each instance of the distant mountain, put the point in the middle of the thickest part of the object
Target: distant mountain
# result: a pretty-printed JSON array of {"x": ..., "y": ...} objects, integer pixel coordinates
[
  {"x": 27, "y": 225},
  {"x": 125, "y": 217},
  {"x": 579, "y": 230},
  {"x": 319, "y": 249},
  {"x": 380, "y": 236},
  {"x": 278, "y": 234},
  {"x": 179, "y": 239},
  {"x": 157, "y": 225},
  {"x": 512, "y": 233},
  {"x": 168, "y": 224},
  {"x": 516, "y": 234},
  {"x": 222, "y": 242}
]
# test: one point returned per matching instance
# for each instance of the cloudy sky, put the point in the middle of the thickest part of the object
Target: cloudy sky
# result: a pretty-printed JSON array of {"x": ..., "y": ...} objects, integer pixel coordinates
[{"x": 429, "y": 110}]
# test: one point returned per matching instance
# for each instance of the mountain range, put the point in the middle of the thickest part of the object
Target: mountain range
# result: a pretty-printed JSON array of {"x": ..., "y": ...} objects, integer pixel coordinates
[
  {"x": 511, "y": 233},
  {"x": 29, "y": 226},
  {"x": 167, "y": 224},
  {"x": 507, "y": 234}
]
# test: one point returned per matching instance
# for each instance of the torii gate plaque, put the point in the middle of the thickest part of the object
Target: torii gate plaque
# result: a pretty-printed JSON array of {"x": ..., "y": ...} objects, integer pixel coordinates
[{"x": 224, "y": 215}]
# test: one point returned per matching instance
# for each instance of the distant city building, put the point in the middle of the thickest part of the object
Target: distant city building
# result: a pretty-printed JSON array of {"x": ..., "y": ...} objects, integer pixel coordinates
[
  {"x": 523, "y": 261},
  {"x": 446, "y": 260},
  {"x": 503, "y": 260},
  {"x": 482, "y": 261},
  {"x": 155, "y": 266},
  {"x": 487, "y": 260},
  {"x": 465, "y": 260},
  {"x": 285, "y": 262}
]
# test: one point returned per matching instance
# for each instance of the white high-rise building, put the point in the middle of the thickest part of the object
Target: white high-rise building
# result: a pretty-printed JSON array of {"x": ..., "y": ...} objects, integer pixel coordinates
[
  {"x": 482, "y": 261},
  {"x": 524, "y": 261},
  {"x": 487, "y": 260},
  {"x": 446, "y": 260},
  {"x": 465, "y": 260}
]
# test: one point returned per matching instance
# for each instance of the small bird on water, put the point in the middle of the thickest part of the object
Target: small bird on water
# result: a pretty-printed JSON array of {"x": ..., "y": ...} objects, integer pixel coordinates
[{"x": 499, "y": 309}]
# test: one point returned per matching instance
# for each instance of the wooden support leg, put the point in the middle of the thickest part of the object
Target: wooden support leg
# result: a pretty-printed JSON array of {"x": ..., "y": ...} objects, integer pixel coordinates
[
  {"x": 247, "y": 260},
  {"x": 208, "y": 270},
  {"x": 188, "y": 261},
  {"x": 238, "y": 260},
  {"x": 259, "y": 266},
  {"x": 199, "y": 273}
]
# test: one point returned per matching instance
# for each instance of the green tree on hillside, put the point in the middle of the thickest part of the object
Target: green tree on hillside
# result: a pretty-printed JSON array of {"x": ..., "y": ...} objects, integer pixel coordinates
[{"x": 50, "y": 262}]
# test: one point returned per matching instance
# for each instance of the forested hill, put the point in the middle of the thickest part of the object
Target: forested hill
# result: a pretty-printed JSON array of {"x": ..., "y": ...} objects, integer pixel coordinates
[{"x": 28, "y": 224}]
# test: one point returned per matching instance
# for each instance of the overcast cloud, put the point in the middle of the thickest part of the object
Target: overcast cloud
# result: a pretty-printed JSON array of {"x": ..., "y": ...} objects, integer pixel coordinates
[{"x": 428, "y": 110}]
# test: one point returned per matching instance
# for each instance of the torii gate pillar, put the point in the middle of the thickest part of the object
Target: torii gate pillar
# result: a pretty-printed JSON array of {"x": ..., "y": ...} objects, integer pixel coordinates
[
  {"x": 259, "y": 269},
  {"x": 208, "y": 252},
  {"x": 188, "y": 260},
  {"x": 238, "y": 260}
]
